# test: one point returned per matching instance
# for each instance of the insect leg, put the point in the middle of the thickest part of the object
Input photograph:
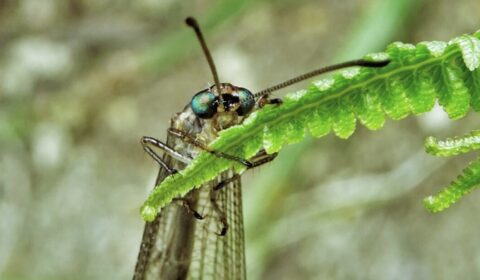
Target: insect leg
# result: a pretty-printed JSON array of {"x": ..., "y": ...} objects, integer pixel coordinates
[
  {"x": 188, "y": 207},
  {"x": 259, "y": 159},
  {"x": 221, "y": 214},
  {"x": 262, "y": 157},
  {"x": 264, "y": 100},
  {"x": 191, "y": 140},
  {"x": 146, "y": 141}
]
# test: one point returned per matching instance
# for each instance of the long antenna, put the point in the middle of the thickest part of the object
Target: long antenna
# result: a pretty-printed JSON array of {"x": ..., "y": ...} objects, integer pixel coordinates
[
  {"x": 190, "y": 21},
  {"x": 359, "y": 62}
]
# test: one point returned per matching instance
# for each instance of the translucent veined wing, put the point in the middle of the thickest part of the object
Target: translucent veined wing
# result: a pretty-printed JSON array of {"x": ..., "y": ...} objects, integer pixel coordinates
[{"x": 178, "y": 246}]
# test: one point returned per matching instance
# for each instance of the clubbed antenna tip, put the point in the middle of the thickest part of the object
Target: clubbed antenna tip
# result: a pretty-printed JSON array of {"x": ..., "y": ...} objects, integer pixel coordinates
[{"x": 190, "y": 21}]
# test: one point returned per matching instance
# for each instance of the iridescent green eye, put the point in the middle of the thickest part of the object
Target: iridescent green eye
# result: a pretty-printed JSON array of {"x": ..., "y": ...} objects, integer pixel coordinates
[
  {"x": 247, "y": 101},
  {"x": 204, "y": 104}
]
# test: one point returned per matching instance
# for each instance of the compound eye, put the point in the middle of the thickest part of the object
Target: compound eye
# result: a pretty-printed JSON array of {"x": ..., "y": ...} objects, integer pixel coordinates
[
  {"x": 247, "y": 101},
  {"x": 204, "y": 104}
]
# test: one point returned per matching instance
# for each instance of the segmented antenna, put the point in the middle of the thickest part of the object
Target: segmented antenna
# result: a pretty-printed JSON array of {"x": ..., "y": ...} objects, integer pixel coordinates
[
  {"x": 192, "y": 22},
  {"x": 359, "y": 62}
]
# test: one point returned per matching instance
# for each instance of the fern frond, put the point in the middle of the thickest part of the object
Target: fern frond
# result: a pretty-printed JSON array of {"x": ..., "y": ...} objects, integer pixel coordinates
[
  {"x": 415, "y": 79},
  {"x": 470, "y": 177},
  {"x": 465, "y": 183}
]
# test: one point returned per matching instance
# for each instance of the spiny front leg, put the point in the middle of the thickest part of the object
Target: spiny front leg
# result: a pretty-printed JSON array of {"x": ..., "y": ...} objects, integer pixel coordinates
[
  {"x": 192, "y": 140},
  {"x": 259, "y": 159},
  {"x": 146, "y": 141}
]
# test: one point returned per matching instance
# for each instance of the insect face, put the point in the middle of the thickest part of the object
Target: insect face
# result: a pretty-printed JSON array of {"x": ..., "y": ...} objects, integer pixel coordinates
[{"x": 206, "y": 104}]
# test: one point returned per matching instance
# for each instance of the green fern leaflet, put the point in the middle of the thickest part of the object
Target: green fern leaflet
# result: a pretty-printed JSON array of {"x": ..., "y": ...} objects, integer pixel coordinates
[
  {"x": 415, "y": 79},
  {"x": 469, "y": 179}
]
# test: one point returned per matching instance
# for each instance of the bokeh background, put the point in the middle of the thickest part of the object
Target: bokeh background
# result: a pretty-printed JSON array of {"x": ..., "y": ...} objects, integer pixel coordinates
[{"x": 82, "y": 80}]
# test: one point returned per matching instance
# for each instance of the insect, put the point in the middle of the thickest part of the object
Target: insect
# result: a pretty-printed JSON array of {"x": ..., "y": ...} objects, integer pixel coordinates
[{"x": 200, "y": 236}]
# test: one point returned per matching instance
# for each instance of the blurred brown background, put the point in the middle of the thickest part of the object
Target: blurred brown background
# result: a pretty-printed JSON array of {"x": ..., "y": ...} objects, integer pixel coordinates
[{"x": 82, "y": 80}]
